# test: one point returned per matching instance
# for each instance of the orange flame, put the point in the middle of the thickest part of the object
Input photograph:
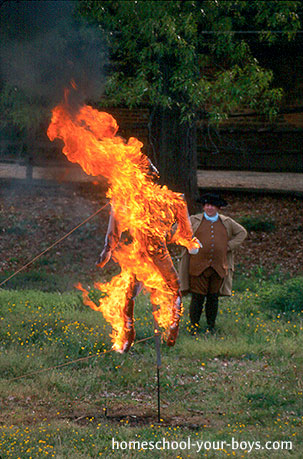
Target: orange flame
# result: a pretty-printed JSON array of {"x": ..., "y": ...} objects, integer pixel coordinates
[{"x": 143, "y": 208}]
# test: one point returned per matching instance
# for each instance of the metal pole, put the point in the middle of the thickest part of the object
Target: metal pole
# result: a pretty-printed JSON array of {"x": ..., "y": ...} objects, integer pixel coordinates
[
  {"x": 158, "y": 354},
  {"x": 158, "y": 384}
]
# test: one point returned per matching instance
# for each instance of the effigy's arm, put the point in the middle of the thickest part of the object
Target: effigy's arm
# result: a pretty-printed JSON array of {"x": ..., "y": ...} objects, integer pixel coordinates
[
  {"x": 112, "y": 239},
  {"x": 183, "y": 234}
]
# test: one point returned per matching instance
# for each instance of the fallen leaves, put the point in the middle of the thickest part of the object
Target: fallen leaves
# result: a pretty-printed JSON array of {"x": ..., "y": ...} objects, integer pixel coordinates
[{"x": 33, "y": 218}]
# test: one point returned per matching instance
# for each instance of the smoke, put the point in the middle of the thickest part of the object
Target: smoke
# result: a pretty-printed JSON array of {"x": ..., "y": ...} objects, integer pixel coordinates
[
  {"x": 44, "y": 45},
  {"x": 50, "y": 47}
]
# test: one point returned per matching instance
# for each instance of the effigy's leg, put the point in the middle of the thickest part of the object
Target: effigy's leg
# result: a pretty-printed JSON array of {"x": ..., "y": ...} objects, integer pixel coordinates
[
  {"x": 128, "y": 313},
  {"x": 173, "y": 330},
  {"x": 162, "y": 260}
]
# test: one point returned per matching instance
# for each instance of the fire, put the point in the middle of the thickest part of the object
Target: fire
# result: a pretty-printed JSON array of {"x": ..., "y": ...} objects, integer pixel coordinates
[{"x": 142, "y": 208}]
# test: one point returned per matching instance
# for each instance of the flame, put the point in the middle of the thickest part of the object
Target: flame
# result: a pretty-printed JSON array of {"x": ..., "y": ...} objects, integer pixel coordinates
[{"x": 142, "y": 207}]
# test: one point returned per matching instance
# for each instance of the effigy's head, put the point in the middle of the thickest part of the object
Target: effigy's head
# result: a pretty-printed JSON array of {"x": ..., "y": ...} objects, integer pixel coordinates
[
  {"x": 101, "y": 124},
  {"x": 90, "y": 139}
]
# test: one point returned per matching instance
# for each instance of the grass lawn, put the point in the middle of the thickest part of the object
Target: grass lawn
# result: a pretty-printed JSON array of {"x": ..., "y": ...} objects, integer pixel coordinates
[{"x": 237, "y": 393}]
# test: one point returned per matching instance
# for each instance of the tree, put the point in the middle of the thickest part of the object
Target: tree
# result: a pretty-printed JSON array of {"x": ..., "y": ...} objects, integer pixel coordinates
[{"x": 188, "y": 60}]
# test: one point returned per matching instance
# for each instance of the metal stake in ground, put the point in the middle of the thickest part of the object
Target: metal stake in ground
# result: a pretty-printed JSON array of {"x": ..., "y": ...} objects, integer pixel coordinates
[{"x": 158, "y": 354}]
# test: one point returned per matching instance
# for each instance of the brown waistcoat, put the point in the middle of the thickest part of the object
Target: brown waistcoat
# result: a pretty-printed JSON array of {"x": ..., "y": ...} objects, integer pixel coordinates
[{"x": 214, "y": 238}]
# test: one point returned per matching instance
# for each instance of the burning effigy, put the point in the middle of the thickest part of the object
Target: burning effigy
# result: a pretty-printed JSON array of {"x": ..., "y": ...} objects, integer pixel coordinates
[{"x": 140, "y": 208}]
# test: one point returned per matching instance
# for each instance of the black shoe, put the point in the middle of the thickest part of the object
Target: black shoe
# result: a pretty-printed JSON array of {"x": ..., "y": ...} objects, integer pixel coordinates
[
  {"x": 210, "y": 330},
  {"x": 194, "y": 329}
]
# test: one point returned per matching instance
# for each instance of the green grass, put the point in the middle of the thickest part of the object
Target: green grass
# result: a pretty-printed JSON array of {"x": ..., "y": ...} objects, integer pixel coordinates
[
  {"x": 241, "y": 384},
  {"x": 35, "y": 279},
  {"x": 286, "y": 298}
]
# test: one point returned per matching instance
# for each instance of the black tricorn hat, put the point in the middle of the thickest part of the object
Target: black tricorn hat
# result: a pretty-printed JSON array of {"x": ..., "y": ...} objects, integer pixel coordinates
[{"x": 212, "y": 198}]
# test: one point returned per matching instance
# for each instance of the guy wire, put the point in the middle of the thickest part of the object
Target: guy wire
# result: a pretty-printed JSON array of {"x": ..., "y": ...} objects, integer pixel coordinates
[{"x": 81, "y": 359}]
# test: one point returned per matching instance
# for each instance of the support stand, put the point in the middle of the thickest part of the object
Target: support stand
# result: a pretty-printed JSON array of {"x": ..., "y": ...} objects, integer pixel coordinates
[{"x": 158, "y": 354}]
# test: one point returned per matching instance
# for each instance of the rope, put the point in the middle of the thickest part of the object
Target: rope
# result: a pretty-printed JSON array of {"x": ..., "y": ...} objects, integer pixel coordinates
[
  {"x": 72, "y": 361},
  {"x": 53, "y": 245}
]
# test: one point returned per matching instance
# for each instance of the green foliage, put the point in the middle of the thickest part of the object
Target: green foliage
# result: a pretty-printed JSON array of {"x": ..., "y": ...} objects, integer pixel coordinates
[
  {"x": 192, "y": 55},
  {"x": 242, "y": 282},
  {"x": 257, "y": 223},
  {"x": 21, "y": 109},
  {"x": 286, "y": 297}
]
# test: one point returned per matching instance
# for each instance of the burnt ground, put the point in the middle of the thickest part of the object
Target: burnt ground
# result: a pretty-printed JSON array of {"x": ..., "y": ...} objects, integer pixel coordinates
[{"x": 34, "y": 216}]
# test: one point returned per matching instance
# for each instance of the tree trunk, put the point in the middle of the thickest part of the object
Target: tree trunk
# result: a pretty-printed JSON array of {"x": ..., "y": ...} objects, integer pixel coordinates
[{"x": 174, "y": 153}]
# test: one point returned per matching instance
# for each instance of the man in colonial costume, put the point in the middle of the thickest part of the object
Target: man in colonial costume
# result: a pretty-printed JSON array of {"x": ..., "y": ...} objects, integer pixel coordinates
[{"x": 208, "y": 274}]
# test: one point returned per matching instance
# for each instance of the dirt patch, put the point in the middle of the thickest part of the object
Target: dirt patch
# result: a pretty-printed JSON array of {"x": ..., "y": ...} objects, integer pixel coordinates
[{"x": 30, "y": 411}]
